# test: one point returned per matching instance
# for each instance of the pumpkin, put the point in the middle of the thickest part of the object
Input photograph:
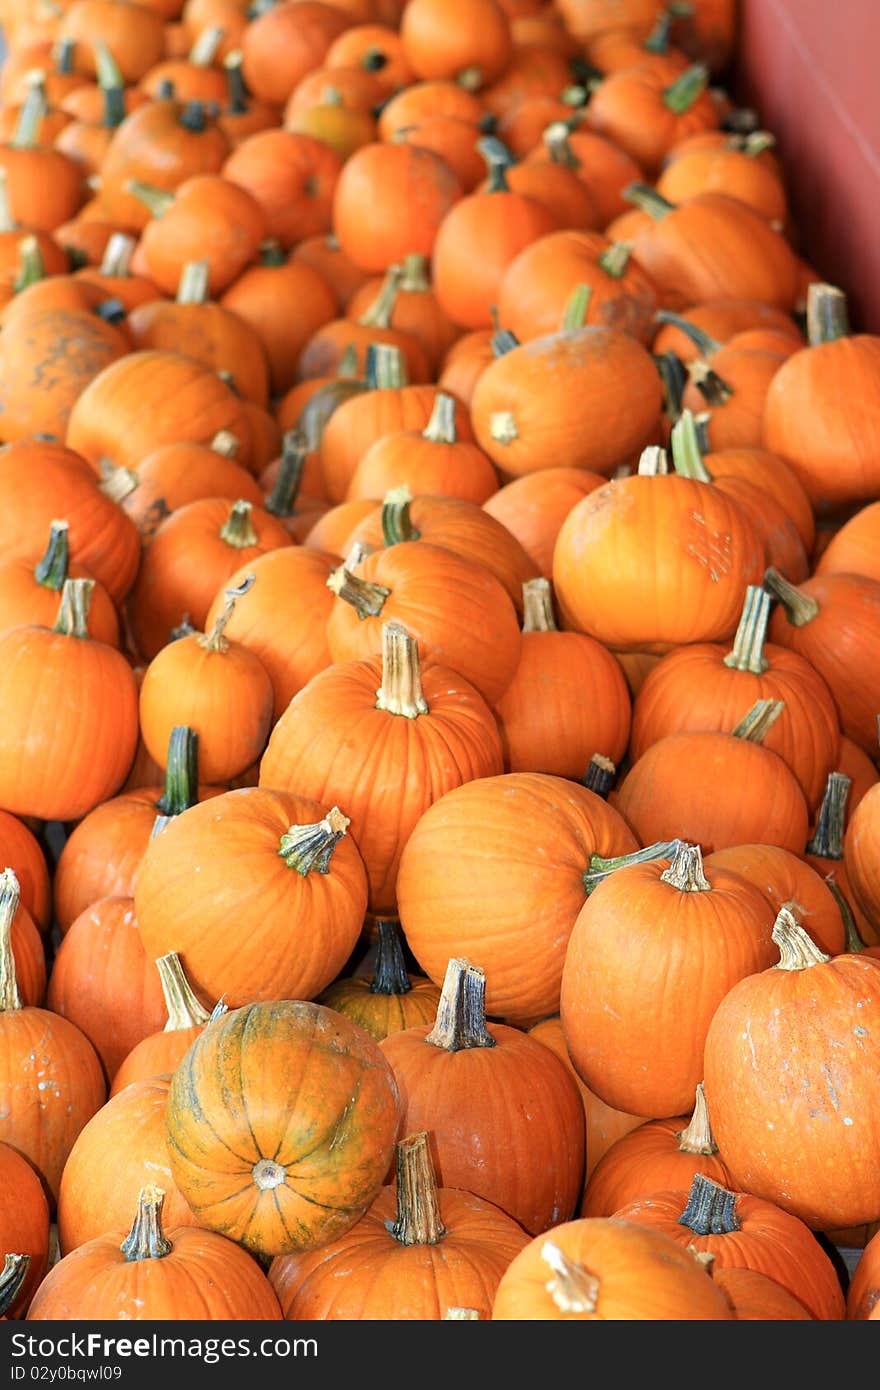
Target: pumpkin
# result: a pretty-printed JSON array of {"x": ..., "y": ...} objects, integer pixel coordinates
[
  {"x": 564, "y": 681},
  {"x": 430, "y": 97},
  {"x": 24, "y": 1224},
  {"x": 602, "y": 166},
  {"x": 469, "y": 43},
  {"x": 861, "y": 863},
  {"x": 349, "y": 337},
  {"x": 207, "y": 217},
  {"x": 785, "y": 878},
  {"x": 298, "y": 1164},
  {"x": 815, "y": 1156},
  {"x": 416, "y": 309},
  {"x": 323, "y": 253},
  {"x": 741, "y": 1229},
  {"x": 420, "y": 1251},
  {"x": 158, "y": 1053},
  {"x": 21, "y": 851},
  {"x": 495, "y": 869},
  {"x": 852, "y": 548},
  {"x": 733, "y": 167},
  {"x": 52, "y": 1079},
  {"x": 44, "y": 186},
  {"x": 702, "y": 686},
  {"x": 133, "y": 34},
  {"x": 174, "y": 474},
  {"x": 392, "y": 998},
  {"x": 122, "y": 1148},
  {"x": 419, "y": 733},
  {"x": 197, "y": 76},
  {"x": 863, "y": 1293},
  {"x": 280, "y": 45},
  {"x": 69, "y": 714},
  {"x": 663, "y": 522},
  {"x": 389, "y": 202},
  {"x": 601, "y": 1270},
  {"x": 149, "y": 1275},
  {"x": 756, "y": 1297},
  {"x": 103, "y": 982},
  {"x": 720, "y": 320},
  {"x": 432, "y": 461},
  {"x": 656, "y": 935},
  {"x": 30, "y": 592},
  {"x": 646, "y": 109},
  {"x": 269, "y": 894},
  {"x": 534, "y": 507},
  {"x": 691, "y": 785},
  {"x": 503, "y": 1111}
]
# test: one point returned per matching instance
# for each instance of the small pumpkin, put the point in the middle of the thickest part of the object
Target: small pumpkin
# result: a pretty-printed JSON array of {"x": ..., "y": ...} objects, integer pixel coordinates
[{"x": 392, "y": 998}]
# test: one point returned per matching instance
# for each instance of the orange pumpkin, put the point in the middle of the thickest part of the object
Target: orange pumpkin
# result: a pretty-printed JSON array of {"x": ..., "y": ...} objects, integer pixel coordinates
[
  {"x": 158, "y": 1054},
  {"x": 392, "y": 998}
]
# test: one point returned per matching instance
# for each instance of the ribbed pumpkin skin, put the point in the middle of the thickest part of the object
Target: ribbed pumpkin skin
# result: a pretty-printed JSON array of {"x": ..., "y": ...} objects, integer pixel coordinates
[
  {"x": 368, "y": 1274},
  {"x": 381, "y": 1014},
  {"x": 297, "y": 1084},
  {"x": 458, "y": 612},
  {"x": 863, "y": 1294},
  {"x": 784, "y": 877},
  {"x": 805, "y": 1136},
  {"x": 504, "y": 1122},
  {"x": 122, "y": 1149},
  {"x": 644, "y": 1277},
  {"x": 68, "y": 723},
  {"x": 855, "y": 547},
  {"x": 534, "y": 507},
  {"x": 604, "y": 1124},
  {"x": 692, "y": 690},
  {"x": 646, "y": 1160},
  {"x": 590, "y": 397},
  {"x": 646, "y": 960},
  {"x": 769, "y": 1240},
  {"x": 493, "y": 872},
  {"x": 861, "y": 857},
  {"x": 698, "y": 547},
  {"x": 715, "y": 791},
  {"x": 20, "y": 850},
  {"x": 755, "y": 1297},
  {"x": 24, "y": 1221},
  {"x": 332, "y": 744},
  {"x": 214, "y": 888},
  {"x": 24, "y": 600},
  {"x": 203, "y": 1276}
]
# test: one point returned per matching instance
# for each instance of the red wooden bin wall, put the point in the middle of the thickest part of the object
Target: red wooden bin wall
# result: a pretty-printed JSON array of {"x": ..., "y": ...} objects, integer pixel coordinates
[{"x": 810, "y": 68}]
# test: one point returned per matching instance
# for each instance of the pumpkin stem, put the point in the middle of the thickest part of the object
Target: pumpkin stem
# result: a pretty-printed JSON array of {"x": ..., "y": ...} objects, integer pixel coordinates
[
  {"x": 680, "y": 96},
  {"x": 146, "y": 1240},
  {"x": 384, "y": 367},
  {"x": 193, "y": 284},
  {"x": 378, "y": 314},
  {"x": 415, "y": 274},
  {"x": 797, "y": 950},
  {"x": 712, "y": 387},
  {"x": 827, "y": 316},
  {"x": 696, "y": 1137},
  {"x": 461, "y": 1314},
  {"x": 272, "y": 252},
  {"x": 10, "y": 895},
  {"x": 397, "y": 523},
  {"x": 502, "y": 427},
  {"x": 107, "y": 71},
  {"x": 7, "y": 222},
  {"x": 183, "y": 629},
  {"x": 747, "y": 653},
  {"x": 440, "y": 428},
  {"x": 760, "y": 719},
  {"x": 711, "y": 1208},
  {"x": 225, "y": 443},
  {"x": 30, "y": 117},
  {"x": 470, "y": 78},
  {"x": 687, "y": 456},
  {"x": 52, "y": 570},
  {"x": 576, "y": 309},
  {"x": 118, "y": 252},
  {"x": 184, "y": 1009},
  {"x": 206, "y": 47},
  {"x": 658, "y": 39},
  {"x": 181, "y": 788},
  {"x": 114, "y": 112},
  {"x": 648, "y": 200},
  {"x": 498, "y": 160},
  {"x": 854, "y": 943},
  {"x": 193, "y": 117},
  {"x": 686, "y": 870},
  {"x": 653, "y": 462},
  {"x": 673, "y": 376},
  {"x": 236, "y": 91},
  {"x": 310, "y": 847},
  {"x": 390, "y": 975},
  {"x": 215, "y": 640},
  {"x": 73, "y": 611},
  {"x": 31, "y": 266},
  {"x": 401, "y": 688},
  {"x": 601, "y": 868},
  {"x": 238, "y": 529},
  {"x": 347, "y": 366},
  {"x": 155, "y": 200},
  {"x": 599, "y": 776},
  {"x": 461, "y": 1012},
  {"x": 800, "y": 608},
  {"x": 555, "y": 137},
  {"x": 572, "y": 1288},
  {"x": 281, "y": 501},
  {"x": 615, "y": 259},
  {"x": 418, "y": 1201},
  {"x": 702, "y": 341},
  {"x": 366, "y": 599},
  {"x": 538, "y": 606},
  {"x": 117, "y": 482},
  {"x": 12, "y": 1277},
  {"x": 827, "y": 839}
]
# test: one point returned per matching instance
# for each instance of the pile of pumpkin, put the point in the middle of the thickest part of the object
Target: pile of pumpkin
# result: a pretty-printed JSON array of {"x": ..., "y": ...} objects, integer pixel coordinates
[{"x": 439, "y": 675}]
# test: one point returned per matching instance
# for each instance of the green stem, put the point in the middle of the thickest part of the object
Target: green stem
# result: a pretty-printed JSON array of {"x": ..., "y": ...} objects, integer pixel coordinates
[
  {"x": 653, "y": 462},
  {"x": 31, "y": 266},
  {"x": 7, "y": 222},
  {"x": 155, "y": 200},
  {"x": 687, "y": 456},
  {"x": 712, "y": 387},
  {"x": 397, "y": 523},
  {"x": 378, "y": 314},
  {"x": 576, "y": 309},
  {"x": 555, "y": 137},
  {"x": 10, "y": 896},
  {"x": 705, "y": 344},
  {"x": 755, "y": 725},
  {"x": 646, "y": 198},
  {"x": 384, "y": 367},
  {"x": 747, "y": 653},
  {"x": 711, "y": 1209},
  {"x": 145, "y": 1240},
  {"x": 498, "y": 160},
  {"x": 238, "y": 529},
  {"x": 73, "y": 612},
  {"x": 52, "y": 570},
  {"x": 118, "y": 252},
  {"x": 366, "y": 599},
  {"x": 599, "y": 776},
  {"x": 12, "y": 1277},
  {"x": 854, "y": 943},
  {"x": 415, "y": 274},
  {"x": 401, "y": 689},
  {"x": 281, "y": 501},
  {"x": 800, "y": 608},
  {"x": 30, "y": 117},
  {"x": 193, "y": 117},
  {"x": 272, "y": 253},
  {"x": 616, "y": 258},
  {"x": 192, "y": 287},
  {"x": 827, "y": 316},
  {"x": 461, "y": 1012},
  {"x": 681, "y": 95},
  {"x": 827, "y": 839},
  {"x": 600, "y": 868},
  {"x": 181, "y": 772},
  {"x": 673, "y": 378},
  {"x": 308, "y": 848},
  {"x": 236, "y": 92},
  {"x": 107, "y": 70},
  {"x": 390, "y": 975},
  {"x": 62, "y": 56},
  {"x": 204, "y": 51},
  {"x": 114, "y": 112}
]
